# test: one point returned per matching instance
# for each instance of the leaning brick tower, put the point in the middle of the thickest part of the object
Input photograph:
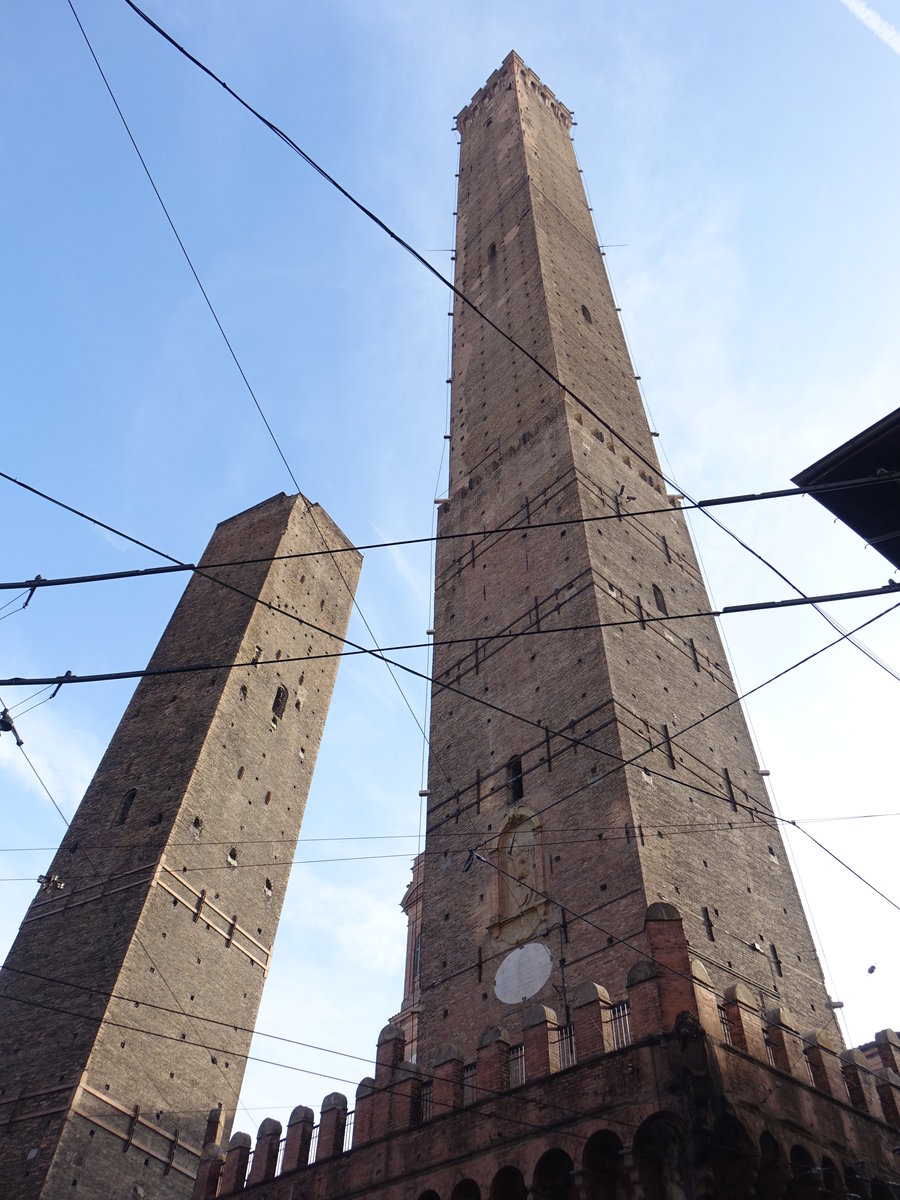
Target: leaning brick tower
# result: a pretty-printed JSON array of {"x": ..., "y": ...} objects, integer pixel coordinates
[
  {"x": 133, "y": 990},
  {"x": 584, "y": 746}
]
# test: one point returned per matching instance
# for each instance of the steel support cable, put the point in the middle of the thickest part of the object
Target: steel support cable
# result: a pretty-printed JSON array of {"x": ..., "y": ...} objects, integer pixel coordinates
[
  {"x": 187, "y": 257},
  {"x": 463, "y": 298}
]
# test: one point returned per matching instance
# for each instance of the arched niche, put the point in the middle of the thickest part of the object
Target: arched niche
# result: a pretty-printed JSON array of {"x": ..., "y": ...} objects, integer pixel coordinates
[
  {"x": 603, "y": 1167},
  {"x": 736, "y": 1161},
  {"x": 661, "y": 1160},
  {"x": 508, "y": 1184},
  {"x": 466, "y": 1189},
  {"x": 805, "y": 1175},
  {"x": 552, "y": 1179}
]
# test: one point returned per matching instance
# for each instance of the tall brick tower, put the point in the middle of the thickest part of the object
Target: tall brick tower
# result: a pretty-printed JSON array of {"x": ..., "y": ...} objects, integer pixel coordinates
[
  {"x": 133, "y": 990},
  {"x": 570, "y": 745}
]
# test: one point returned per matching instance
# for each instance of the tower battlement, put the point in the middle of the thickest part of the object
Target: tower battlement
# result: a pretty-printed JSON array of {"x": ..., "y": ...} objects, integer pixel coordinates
[
  {"x": 512, "y": 69},
  {"x": 670, "y": 1061}
]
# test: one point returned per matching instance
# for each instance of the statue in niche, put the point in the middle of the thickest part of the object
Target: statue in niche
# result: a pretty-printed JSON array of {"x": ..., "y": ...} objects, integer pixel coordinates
[
  {"x": 517, "y": 847},
  {"x": 519, "y": 908}
]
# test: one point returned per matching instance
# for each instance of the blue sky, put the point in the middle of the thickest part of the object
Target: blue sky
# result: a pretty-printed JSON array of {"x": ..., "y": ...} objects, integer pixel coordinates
[{"x": 741, "y": 162}]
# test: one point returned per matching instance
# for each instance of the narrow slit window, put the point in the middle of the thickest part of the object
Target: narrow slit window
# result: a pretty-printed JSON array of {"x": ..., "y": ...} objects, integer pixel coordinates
[
  {"x": 776, "y": 961},
  {"x": 707, "y": 921},
  {"x": 660, "y": 600},
  {"x": 126, "y": 806},
  {"x": 279, "y": 703}
]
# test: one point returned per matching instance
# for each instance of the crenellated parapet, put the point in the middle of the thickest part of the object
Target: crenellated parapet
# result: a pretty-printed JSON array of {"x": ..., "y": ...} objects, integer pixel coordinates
[
  {"x": 671, "y": 1035},
  {"x": 513, "y": 70}
]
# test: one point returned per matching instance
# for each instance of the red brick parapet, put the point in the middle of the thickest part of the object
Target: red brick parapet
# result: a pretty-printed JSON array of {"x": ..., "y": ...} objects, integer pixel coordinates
[
  {"x": 447, "y": 1079},
  {"x": 860, "y": 1081},
  {"x": 824, "y": 1065},
  {"x": 742, "y": 1014},
  {"x": 539, "y": 1026},
  {"x": 234, "y": 1171},
  {"x": 299, "y": 1137},
  {"x": 332, "y": 1124},
  {"x": 492, "y": 1062},
  {"x": 591, "y": 1019},
  {"x": 786, "y": 1042}
]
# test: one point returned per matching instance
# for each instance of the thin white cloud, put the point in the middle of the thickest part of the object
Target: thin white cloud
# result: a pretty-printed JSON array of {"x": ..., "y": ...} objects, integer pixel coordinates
[{"x": 882, "y": 29}]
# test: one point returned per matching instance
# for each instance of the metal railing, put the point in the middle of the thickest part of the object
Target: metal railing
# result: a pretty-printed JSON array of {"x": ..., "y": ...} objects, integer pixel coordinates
[
  {"x": 565, "y": 1042},
  {"x": 348, "y": 1130},
  {"x": 425, "y": 1112},
  {"x": 620, "y": 1024}
]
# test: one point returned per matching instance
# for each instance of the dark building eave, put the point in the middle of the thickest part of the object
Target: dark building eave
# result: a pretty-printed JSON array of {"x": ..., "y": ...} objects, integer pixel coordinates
[{"x": 870, "y": 509}]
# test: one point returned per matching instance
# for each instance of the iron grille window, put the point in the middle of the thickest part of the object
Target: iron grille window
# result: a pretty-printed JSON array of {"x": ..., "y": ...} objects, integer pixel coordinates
[
  {"x": 426, "y": 1102},
  {"x": 565, "y": 1040},
  {"x": 726, "y": 1028},
  {"x": 469, "y": 1083},
  {"x": 769, "y": 1052},
  {"x": 348, "y": 1130},
  {"x": 517, "y": 1065},
  {"x": 620, "y": 1024}
]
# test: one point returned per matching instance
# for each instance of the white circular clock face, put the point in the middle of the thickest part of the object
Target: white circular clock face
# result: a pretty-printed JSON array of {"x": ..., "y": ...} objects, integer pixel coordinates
[{"x": 522, "y": 973}]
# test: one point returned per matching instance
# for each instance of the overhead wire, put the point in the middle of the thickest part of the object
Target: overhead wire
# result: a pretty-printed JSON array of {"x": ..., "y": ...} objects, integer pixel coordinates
[
  {"x": 405, "y": 245},
  {"x": 97, "y": 874},
  {"x": 482, "y": 316},
  {"x": 847, "y": 635},
  {"x": 309, "y": 508},
  {"x": 479, "y": 699},
  {"x": 478, "y": 311},
  {"x": 71, "y": 678},
  {"x": 467, "y": 535},
  {"x": 483, "y": 640},
  {"x": 482, "y": 1091}
]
